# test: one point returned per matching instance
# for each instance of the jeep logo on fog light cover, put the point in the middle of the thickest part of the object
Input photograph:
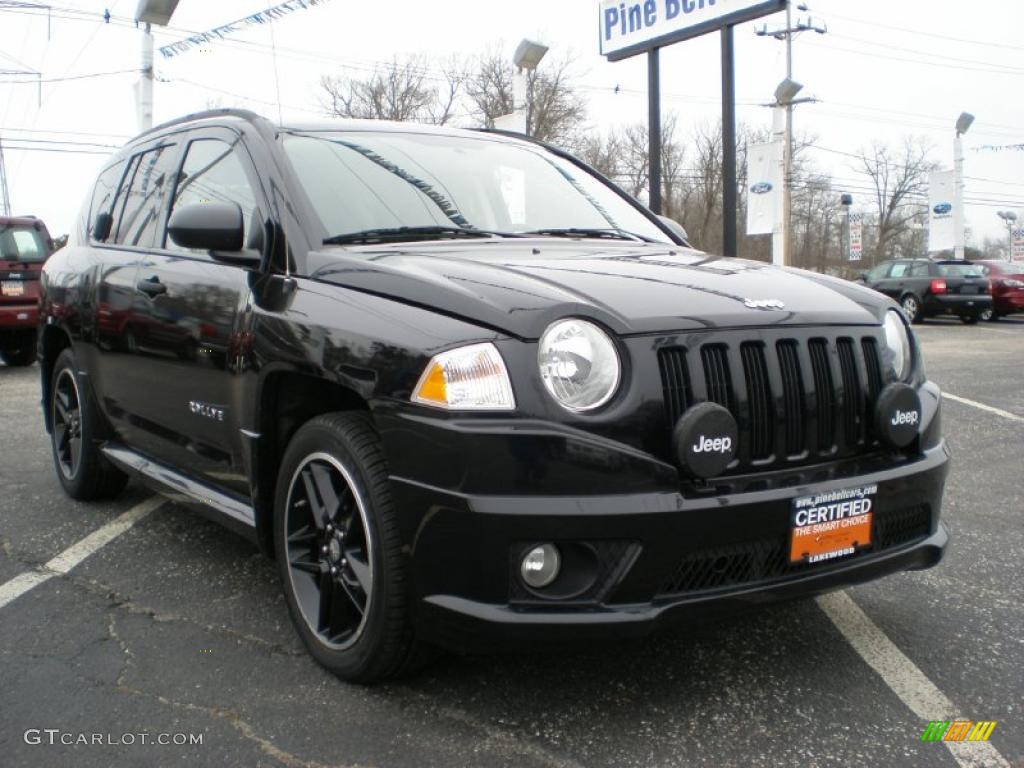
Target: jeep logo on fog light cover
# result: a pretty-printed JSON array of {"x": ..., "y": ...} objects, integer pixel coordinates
[
  {"x": 705, "y": 440},
  {"x": 898, "y": 415}
]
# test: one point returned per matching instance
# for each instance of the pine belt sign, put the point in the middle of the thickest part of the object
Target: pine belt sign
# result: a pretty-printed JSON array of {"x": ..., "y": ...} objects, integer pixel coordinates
[{"x": 629, "y": 27}]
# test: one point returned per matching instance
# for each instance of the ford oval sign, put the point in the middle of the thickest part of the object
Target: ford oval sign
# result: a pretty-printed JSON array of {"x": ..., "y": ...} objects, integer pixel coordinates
[
  {"x": 761, "y": 188},
  {"x": 943, "y": 208}
]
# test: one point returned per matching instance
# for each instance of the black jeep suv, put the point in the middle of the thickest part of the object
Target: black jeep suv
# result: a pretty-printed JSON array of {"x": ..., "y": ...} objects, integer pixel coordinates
[{"x": 470, "y": 394}]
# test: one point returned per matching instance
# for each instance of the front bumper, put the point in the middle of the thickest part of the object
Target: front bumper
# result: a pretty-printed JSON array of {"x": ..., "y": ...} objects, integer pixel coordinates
[{"x": 661, "y": 557}]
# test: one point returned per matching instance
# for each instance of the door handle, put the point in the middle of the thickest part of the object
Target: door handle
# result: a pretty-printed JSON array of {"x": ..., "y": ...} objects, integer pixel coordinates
[{"x": 151, "y": 286}]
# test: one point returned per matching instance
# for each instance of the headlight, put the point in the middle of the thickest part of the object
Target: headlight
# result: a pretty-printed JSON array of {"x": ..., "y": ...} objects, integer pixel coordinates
[
  {"x": 578, "y": 365},
  {"x": 472, "y": 378},
  {"x": 897, "y": 341}
]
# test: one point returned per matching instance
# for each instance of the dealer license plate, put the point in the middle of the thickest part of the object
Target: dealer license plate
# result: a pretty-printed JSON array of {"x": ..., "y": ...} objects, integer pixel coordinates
[
  {"x": 831, "y": 524},
  {"x": 12, "y": 288}
]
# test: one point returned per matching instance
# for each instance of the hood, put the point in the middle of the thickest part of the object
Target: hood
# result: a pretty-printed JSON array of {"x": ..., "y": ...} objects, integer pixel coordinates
[{"x": 520, "y": 286}]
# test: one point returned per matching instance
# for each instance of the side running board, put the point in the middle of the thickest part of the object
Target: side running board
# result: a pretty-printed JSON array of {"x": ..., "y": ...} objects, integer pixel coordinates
[{"x": 179, "y": 487}]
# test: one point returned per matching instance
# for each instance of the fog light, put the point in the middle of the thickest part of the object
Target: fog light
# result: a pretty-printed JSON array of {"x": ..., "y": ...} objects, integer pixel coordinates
[{"x": 540, "y": 566}]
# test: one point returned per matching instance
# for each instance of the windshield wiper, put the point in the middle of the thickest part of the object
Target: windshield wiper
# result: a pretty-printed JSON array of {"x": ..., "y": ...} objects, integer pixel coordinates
[
  {"x": 409, "y": 234},
  {"x": 610, "y": 233}
]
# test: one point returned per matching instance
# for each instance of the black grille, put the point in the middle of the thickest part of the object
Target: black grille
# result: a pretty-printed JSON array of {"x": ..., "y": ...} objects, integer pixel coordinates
[
  {"x": 759, "y": 398},
  {"x": 793, "y": 396},
  {"x": 755, "y": 561},
  {"x": 794, "y": 399},
  {"x": 675, "y": 382},
  {"x": 717, "y": 377}
]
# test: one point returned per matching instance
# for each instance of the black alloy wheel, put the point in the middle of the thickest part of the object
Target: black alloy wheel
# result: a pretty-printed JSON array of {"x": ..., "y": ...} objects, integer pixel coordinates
[
  {"x": 330, "y": 555},
  {"x": 67, "y": 424},
  {"x": 339, "y": 550},
  {"x": 76, "y": 431}
]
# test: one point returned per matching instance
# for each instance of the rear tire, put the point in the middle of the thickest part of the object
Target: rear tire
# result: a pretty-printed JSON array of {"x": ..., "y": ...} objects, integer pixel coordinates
[
  {"x": 990, "y": 316},
  {"x": 969, "y": 319},
  {"x": 22, "y": 353},
  {"x": 81, "y": 467},
  {"x": 339, "y": 551}
]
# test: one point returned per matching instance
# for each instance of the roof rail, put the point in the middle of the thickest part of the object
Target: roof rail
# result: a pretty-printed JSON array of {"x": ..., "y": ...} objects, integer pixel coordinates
[{"x": 243, "y": 114}]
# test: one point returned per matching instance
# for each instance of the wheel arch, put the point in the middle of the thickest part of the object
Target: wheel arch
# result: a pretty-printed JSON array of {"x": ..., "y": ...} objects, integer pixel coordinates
[
  {"x": 288, "y": 399},
  {"x": 52, "y": 341}
]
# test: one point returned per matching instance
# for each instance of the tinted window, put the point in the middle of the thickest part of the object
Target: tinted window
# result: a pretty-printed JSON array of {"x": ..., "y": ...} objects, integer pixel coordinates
[
  {"x": 899, "y": 269},
  {"x": 22, "y": 244},
  {"x": 879, "y": 272},
  {"x": 213, "y": 170},
  {"x": 959, "y": 270},
  {"x": 920, "y": 269},
  {"x": 103, "y": 194},
  {"x": 368, "y": 180},
  {"x": 147, "y": 192},
  {"x": 117, "y": 211}
]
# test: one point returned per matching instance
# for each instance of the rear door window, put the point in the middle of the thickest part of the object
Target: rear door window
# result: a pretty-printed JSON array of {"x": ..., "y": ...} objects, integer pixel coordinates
[
  {"x": 103, "y": 194},
  {"x": 960, "y": 270},
  {"x": 144, "y": 204},
  {"x": 921, "y": 269}
]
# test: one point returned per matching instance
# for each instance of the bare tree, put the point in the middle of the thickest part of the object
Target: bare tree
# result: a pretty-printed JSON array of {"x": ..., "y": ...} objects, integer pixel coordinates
[
  {"x": 404, "y": 90},
  {"x": 899, "y": 179},
  {"x": 556, "y": 111}
]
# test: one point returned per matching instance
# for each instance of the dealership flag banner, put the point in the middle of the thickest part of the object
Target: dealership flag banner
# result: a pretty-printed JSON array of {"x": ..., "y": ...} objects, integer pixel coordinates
[
  {"x": 1017, "y": 251},
  {"x": 856, "y": 236},
  {"x": 764, "y": 174},
  {"x": 941, "y": 194},
  {"x": 219, "y": 33}
]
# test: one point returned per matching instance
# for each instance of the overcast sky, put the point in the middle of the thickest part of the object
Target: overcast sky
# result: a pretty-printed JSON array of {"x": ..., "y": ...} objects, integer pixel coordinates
[{"x": 885, "y": 70}]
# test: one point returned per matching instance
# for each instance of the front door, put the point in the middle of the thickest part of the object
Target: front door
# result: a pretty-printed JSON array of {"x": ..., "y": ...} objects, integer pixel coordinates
[{"x": 196, "y": 310}]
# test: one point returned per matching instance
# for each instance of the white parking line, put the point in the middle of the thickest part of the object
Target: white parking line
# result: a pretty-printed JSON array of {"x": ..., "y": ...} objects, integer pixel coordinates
[
  {"x": 983, "y": 407},
  {"x": 905, "y": 678},
  {"x": 77, "y": 552}
]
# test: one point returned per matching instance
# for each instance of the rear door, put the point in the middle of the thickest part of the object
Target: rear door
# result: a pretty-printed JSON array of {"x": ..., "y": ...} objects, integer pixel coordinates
[
  {"x": 194, "y": 313},
  {"x": 893, "y": 279},
  {"x": 134, "y": 196}
]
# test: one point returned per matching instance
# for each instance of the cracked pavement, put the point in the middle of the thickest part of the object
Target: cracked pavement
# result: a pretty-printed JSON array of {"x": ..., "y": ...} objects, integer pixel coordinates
[{"x": 179, "y": 626}]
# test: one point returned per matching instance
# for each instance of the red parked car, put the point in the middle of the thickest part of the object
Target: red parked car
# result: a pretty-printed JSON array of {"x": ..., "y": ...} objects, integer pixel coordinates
[
  {"x": 1007, "y": 279},
  {"x": 25, "y": 245}
]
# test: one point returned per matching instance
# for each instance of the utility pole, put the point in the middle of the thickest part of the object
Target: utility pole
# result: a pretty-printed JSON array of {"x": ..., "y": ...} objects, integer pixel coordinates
[
  {"x": 787, "y": 35},
  {"x": 5, "y": 194},
  {"x": 144, "y": 90},
  {"x": 963, "y": 124}
]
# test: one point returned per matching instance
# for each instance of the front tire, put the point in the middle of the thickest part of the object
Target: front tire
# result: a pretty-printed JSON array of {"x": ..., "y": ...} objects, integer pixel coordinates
[
  {"x": 912, "y": 308},
  {"x": 75, "y": 427},
  {"x": 339, "y": 552}
]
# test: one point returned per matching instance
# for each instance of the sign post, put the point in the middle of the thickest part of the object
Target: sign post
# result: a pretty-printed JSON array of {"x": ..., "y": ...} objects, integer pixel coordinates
[{"x": 631, "y": 27}]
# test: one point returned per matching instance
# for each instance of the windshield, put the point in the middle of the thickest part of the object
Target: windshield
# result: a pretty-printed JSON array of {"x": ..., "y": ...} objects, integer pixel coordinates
[
  {"x": 362, "y": 181},
  {"x": 22, "y": 244},
  {"x": 960, "y": 270}
]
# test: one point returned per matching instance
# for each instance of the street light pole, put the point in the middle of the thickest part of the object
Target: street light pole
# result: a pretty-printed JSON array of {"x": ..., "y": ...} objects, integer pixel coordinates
[
  {"x": 1009, "y": 218},
  {"x": 963, "y": 124}
]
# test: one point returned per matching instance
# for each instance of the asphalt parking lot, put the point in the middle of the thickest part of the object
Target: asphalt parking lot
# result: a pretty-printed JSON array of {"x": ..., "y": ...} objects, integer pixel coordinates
[{"x": 177, "y": 626}]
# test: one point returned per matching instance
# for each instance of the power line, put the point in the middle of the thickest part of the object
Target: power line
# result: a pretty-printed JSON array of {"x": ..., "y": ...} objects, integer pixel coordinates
[
  {"x": 967, "y": 41},
  {"x": 72, "y": 77}
]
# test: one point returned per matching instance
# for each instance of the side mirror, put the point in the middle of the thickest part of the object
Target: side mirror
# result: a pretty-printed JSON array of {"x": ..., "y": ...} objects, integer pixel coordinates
[
  {"x": 216, "y": 227},
  {"x": 863, "y": 277},
  {"x": 675, "y": 228},
  {"x": 102, "y": 226}
]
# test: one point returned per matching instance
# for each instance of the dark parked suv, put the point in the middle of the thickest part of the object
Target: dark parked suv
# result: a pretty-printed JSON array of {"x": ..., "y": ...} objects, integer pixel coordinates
[
  {"x": 926, "y": 288},
  {"x": 470, "y": 394},
  {"x": 24, "y": 246}
]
